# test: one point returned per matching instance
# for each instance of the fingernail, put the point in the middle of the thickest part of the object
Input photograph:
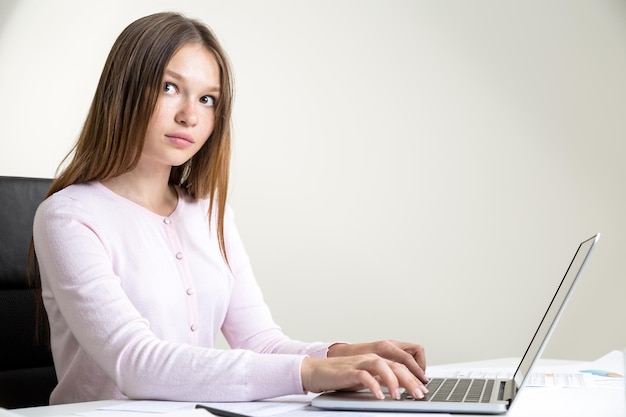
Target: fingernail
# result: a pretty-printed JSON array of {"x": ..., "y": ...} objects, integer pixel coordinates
[
  {"x": 397, "y": 394},
  {"x": 424, "y": 389},
  {"x": 419, "y": 394},
  {"x": 380, "y": 395}
]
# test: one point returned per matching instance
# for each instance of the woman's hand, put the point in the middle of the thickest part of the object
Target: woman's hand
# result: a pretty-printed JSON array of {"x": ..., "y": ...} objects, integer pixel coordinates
[
  {"x": 370, "y": 365},
  {"x": 410, "y": 355}
]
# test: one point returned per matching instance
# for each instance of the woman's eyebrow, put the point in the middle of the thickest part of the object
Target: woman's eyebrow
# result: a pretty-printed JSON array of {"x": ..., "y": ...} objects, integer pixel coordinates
[{"x": 177, "y": 76}]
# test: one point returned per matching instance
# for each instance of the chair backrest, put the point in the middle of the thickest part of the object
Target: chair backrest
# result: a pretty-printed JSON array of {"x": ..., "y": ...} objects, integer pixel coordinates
[{"x": 27, "y": 374}]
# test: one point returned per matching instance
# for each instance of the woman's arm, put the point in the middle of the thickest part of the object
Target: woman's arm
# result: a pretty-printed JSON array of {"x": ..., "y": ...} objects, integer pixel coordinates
[{"x": 92, "y": 316}]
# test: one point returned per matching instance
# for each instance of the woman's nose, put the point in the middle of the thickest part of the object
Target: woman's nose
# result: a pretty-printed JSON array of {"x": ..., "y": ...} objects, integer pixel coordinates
[{"x": 186, "y": 114}]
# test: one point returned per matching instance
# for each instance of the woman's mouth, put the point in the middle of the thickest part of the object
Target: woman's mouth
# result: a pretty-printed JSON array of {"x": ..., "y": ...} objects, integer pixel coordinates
[{"x": 181, "y": 140}]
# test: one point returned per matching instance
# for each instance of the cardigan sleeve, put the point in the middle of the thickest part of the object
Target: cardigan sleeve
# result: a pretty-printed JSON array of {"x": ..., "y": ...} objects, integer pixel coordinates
[{"x": 94, "y": 323}]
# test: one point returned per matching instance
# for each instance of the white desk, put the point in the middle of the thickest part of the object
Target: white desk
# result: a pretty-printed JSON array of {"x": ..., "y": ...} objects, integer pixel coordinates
[{"x": 532, "y": 402}]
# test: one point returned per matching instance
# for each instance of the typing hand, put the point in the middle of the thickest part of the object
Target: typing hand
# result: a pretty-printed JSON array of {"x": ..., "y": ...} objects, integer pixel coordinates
[
  {"x": 352, "y": 367},
  {"x": 410, "y": 355}
]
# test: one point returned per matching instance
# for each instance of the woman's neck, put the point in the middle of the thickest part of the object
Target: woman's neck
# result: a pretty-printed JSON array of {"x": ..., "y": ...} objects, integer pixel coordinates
[{"x": 151, "y": 191}]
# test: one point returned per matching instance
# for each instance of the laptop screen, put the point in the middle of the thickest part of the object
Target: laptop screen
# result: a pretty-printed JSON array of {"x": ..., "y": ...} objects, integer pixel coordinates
[{"x": 551, "y": 317}]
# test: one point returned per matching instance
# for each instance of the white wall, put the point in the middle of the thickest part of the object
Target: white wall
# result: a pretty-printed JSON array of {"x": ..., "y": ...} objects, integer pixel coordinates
[{"x": 396, "y": 162}]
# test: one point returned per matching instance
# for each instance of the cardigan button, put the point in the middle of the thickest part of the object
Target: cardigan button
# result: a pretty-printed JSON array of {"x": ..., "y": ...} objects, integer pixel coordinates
[
  {"x": 167, "y": 220},
  {"x": 179, "y": 255}
]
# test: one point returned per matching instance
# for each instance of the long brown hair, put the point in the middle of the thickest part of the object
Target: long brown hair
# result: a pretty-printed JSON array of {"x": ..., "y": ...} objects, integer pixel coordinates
[{"x": 113, "y": 134}]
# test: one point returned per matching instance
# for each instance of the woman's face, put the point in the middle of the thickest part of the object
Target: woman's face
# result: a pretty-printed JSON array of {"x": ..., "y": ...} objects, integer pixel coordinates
[{"x": 184, "y": 115}]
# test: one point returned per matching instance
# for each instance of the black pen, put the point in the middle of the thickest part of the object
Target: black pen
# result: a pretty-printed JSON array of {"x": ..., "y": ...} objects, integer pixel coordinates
[{"x": 222, "y": 413}]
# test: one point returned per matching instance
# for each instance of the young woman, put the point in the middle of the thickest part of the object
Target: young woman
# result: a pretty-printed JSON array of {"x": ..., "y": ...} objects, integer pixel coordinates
[{"x": 140, "y": 261}]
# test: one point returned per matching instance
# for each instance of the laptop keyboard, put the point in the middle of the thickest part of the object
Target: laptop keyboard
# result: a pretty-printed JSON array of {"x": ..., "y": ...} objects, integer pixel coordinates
[{"x": 457, "y": 390}]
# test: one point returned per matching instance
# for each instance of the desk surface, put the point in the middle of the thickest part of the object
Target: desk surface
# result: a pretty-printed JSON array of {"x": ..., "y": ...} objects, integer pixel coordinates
[{"x": 532, "y": 402}]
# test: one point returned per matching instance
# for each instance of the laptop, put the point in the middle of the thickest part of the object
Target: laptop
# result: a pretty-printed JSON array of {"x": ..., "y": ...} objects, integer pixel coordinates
[{"x": 466, "y": 395}]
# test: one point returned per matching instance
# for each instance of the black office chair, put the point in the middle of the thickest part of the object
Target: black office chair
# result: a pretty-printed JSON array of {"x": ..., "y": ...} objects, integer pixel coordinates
[{"x": 26, "y": 370}]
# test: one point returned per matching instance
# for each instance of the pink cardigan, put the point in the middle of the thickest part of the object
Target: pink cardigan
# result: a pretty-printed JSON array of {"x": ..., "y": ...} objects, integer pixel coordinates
[{"x": 136, "y": 300}]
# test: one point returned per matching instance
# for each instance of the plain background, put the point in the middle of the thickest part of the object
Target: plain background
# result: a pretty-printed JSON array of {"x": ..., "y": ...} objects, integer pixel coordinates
[{"x": 417, "y": 170}]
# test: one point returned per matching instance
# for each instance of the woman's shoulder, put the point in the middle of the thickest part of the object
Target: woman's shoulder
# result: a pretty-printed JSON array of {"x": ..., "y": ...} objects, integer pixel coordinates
[
  {"x": 72, "y": 203},
  {"x": 75, "y": 197},
  {"x": 77, "y": 192}
]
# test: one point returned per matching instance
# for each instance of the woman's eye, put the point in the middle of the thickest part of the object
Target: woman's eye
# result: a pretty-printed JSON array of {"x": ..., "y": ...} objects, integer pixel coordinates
[
  {"x": 207, "y": 100},
  {"x": 169, "y": 88}
]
